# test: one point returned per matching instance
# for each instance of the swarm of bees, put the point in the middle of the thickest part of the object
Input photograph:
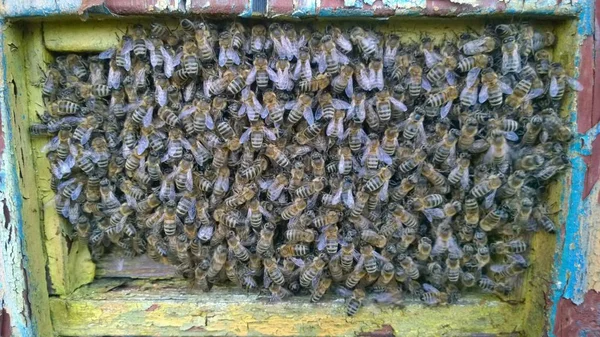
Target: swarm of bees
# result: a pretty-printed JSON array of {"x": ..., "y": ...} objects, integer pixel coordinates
[{"x": 294, "y": 161}]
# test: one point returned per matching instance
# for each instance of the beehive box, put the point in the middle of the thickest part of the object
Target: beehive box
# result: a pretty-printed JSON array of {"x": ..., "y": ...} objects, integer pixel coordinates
[{"x": 68, "y": 295}]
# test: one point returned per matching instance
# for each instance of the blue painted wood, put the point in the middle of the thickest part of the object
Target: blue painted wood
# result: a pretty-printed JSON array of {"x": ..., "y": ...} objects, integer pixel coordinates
[{"x": 13, "y": 261}]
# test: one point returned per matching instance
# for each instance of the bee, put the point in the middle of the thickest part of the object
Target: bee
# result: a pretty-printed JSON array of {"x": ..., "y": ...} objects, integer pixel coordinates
[
  {"x": 416, "y": 82},
  {"x": 258, "y": 40},
  {"x": 492, "y": 88},
  {"x": 281, "y": 76},
  {"x": 384, "y": 103},
  {"x": 482, "y": 45},
  {"x": 539, "y": 214},
  {"x": 343, "y": 81},
  {"x": 293, "y": 210},
  {"x": 443, "y": 69},
  {"x": 367, "y": 43},
  {"x": 335, "y": 128},
  {"x": 392, "y": 44},
  {"x": 273, "y": 107},
  {"x": 443, "y": 98},
  {"x": 215, "y": 86},
  {"x": 511, "y": 59},
  {"x": 473, "y": 66},
  {"x": 559, "y": 80},
  {"x": 256, "y": 134}
]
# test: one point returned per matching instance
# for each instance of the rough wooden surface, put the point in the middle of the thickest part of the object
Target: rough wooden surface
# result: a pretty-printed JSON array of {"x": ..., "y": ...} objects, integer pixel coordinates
[
  {"x": 23, "y": 291},
  {"x": 137, "y": 267},
  {"x": 168, "y": 308}
]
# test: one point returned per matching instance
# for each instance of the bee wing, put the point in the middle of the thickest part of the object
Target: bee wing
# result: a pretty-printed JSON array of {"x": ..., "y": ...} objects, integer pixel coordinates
[
  {"x": 187, "y": 111},
  {"x": 142, "y": 145},
  {"x": 349, "y": 90},
  {"x": 131, "y": 201},
  {"x": 472, "y": 76},
  {"x": 425, "y": 84},
  {"x": 483, "y": 94},
  {"x": 489, "y": 200},
  {"x": 343, "y": 292},
  {"x": 298, "y": 262},
  {"x": 451, "y": 77},
  {"x": 431, "y": 58},
  {"x": 464, "y": 179},
  {"x": 161, "y": 95},
  {"x": 433, "y": 213},
  {"x": 147, "y": 120},
  {"x": 348, "y": 198},
  {"x": 341, "y": 164},
  {"x": 270, "y": 134},
  {"x": 206, "y": 232},
  {"x": 127, "y": 46},
  {"x": 290, "y": 105},
  {"x": 308, "y": 115},
  {"x": 74, "y": 213},
  {"x": 337, "y": 196},
  {"x": 222, "y": 57},
  {"x": 380, "y": 257},
  {"x": 445, "y": 109},
  {"x": 189, "y": 184},
  {"x": 343, "y": 59},
  {"x": 245, "y": 136},
  {"x": 339, "y": 104},
  {"x": 340, "y": 130},
  {"x": 86, "y": 136},
  {"x": 574, "y": 84},
  {"x": 114, "y": 78},
  {"x": 384, "y": 157},
  {"x": 322, "y": 240},
  {"x": 439, "y": 247},
  {"x": 321, "y": 63},
  {"x": 272, "y": 75},
  {"x": 429, "y": 288},
  {"x": 210, "y": 124},
  {"x": 331, "y": 128},
  {"x": 251, "y": 76},
  {"x": 233, "y": 55},
  {"x": 318, "y": 113},
  {"x": 497, "y": 268},
  {"x": 223, "y": 183},
  {"x": 297, "y": 71},
  {"x": 76, "y": 191},
  {"x": 398, "y": 104},
  {"x": 535, "y": 93},
  {"x": 505, "y": 88},
  {"x": 383, "y": 193},
  {"x": 511, "y": 135},
  {"x": 52, "y": 145},
  {"x": 107, "y": 54}
]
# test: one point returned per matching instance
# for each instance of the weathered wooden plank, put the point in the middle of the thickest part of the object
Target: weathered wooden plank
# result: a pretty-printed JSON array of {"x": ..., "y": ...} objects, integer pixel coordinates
[
  {"x": 170, "y": 309},
  {"x": 22, "y": 273},
  {"x": 137, "y": 267}
]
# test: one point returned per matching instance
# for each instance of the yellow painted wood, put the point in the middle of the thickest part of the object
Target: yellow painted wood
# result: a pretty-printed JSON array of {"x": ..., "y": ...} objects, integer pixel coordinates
[
  {"x": 172, "y": 309},
  {"x": 16, "y": 44},
  {"x": 64, "y": 274},
  {"x": 166, "y": 310}
]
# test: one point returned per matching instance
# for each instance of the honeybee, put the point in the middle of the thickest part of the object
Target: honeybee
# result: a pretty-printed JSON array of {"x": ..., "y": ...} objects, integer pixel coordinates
[
  {"x": 281, "y": 76},
  {"x": 445, "y": 98},
  {"x": 482, "y": 45},
  {"x": 559, "y": 80},
  {"x": 492, "y": 88}
]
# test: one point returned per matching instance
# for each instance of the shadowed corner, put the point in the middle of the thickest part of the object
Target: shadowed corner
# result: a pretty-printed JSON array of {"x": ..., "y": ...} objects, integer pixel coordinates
[{"x": 4, "y": 323}]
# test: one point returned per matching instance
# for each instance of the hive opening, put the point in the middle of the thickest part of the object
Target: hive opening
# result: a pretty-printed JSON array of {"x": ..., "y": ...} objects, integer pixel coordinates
[{"x": 368, "y": 175}]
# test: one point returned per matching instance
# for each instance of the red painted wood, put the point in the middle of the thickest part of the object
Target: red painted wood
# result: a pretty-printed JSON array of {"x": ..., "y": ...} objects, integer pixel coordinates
[
  {"x": 596, "y": 51},
  {"x": 585, "y": 98},
  {"x": 279, "y": 7},
  {"x": 229, "y": 7},
  {"x": 593, "y": 168},
  {"x": 578, "y": 320},
  {"x": 128, "y": 7}
]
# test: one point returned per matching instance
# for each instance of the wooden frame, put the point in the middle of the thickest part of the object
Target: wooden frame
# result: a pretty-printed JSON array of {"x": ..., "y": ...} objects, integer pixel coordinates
[{"x": 148, "y": 307}]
